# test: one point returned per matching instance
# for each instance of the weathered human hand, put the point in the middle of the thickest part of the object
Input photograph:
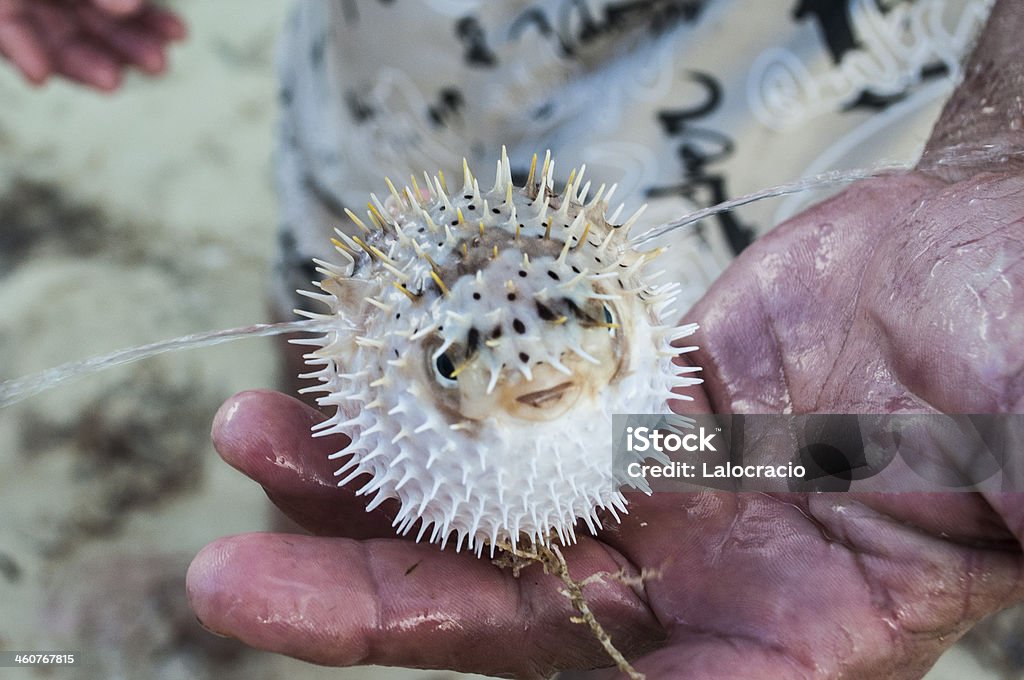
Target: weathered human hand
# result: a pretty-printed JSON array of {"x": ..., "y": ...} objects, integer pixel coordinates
[
  {"x": 87, "y": 41},
  {"x": 900, "y": 294}
]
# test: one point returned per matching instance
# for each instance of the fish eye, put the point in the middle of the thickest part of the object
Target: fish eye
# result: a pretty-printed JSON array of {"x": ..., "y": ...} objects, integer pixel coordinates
[
  {"x": 609, "y": 318},
  {"x": 445, "y": 370}
]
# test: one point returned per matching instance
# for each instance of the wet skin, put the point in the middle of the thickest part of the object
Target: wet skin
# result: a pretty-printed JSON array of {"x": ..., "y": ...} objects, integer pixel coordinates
[
  {"x": 899, "y": 294},
  {"x": 834, "y": 311}
]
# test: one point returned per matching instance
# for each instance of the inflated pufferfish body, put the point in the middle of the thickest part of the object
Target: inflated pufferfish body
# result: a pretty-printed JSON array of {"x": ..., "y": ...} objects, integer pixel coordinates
[{"x": 483, "y": 341}]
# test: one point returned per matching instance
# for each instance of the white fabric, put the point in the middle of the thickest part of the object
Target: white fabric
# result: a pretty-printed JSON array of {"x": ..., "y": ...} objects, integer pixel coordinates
[{"x": 683, "y": 103}]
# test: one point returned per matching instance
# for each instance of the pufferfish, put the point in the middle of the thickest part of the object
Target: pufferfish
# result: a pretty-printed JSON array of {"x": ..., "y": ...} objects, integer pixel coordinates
[{"x": 483, "y": 340}]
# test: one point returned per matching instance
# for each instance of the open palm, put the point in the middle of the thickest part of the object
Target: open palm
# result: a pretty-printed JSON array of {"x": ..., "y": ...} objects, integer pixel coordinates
[
  {"x": 833, "y": 312},
  {"x": 901, "y": 294}
]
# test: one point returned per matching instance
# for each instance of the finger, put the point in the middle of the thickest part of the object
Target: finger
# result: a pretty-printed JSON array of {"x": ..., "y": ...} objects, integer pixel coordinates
[
  {"x": 118, "y": 7},
  {"x": 52, "y": 22},
  {"x": 703, "y": 656},
  {"x": 132, "y": 43},
  {"x": 167, "y": 25},
  {"x": 992, "y": 75},
  {"x": 18, "y": 42},
  {"x": 70, "y": 54},
  {"x": 266, "y": 435},
  {"x": 393, "y": 602},
  {"x": 84, "y": 62}
]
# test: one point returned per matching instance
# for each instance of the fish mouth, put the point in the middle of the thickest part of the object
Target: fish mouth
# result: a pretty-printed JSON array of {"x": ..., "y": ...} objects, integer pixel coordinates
[{"x": 541, "y": 398}]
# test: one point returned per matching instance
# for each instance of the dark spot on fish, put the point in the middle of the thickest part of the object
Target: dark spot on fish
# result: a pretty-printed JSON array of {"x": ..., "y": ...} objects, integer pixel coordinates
[
  {"x": 472, "y": 341},
  {"x": 554, "y": 275},
  {"x": 545, "y": 312},
  {"x": 524, "y": 357},
  {"x": 518, "y": 326},
  {"x": 576, "y": 311}
]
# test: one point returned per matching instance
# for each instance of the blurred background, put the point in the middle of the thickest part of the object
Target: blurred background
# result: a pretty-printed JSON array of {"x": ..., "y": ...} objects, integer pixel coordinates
[{"x": 126, "y": 220}]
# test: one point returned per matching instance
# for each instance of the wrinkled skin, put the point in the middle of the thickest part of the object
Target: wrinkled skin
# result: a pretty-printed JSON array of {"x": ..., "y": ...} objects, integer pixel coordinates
[
  {"x": 900, "y": 294},
  {"x": 752, "y": 585},
  {"x": 87, "y": 41}
]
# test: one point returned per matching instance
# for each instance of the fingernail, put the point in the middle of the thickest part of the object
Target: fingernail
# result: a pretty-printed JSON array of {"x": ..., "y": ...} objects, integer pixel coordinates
[
  {"x": 153, "y": 63},
  {"x": 107, "y": 79},
  {"x": 211, "y": 630},
  {"x": 37, "y": 79}
]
